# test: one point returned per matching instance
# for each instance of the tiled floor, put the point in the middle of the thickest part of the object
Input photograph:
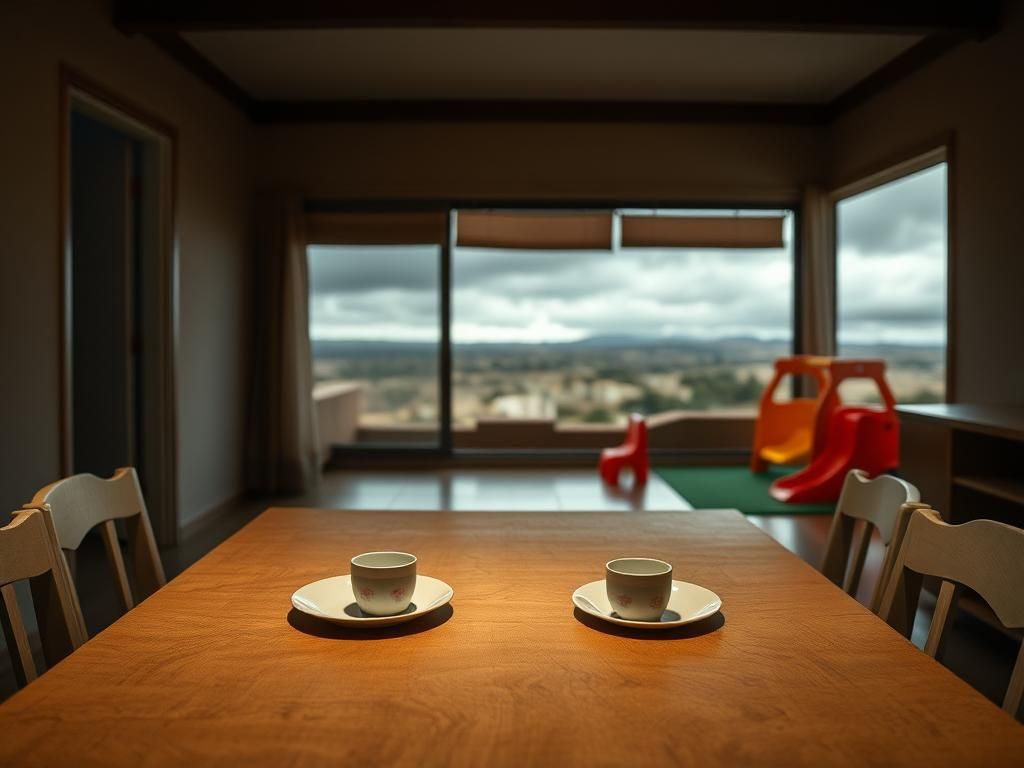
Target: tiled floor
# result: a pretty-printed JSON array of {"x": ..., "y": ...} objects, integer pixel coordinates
[
  {"x": 979, "y": 654},
  {"x": 494, "y": 490}
]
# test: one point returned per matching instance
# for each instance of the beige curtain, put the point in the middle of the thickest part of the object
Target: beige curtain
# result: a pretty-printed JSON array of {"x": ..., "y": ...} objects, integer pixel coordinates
[
  {"x": 817, "y": 274},
  {"x": 281, "y": 448}
]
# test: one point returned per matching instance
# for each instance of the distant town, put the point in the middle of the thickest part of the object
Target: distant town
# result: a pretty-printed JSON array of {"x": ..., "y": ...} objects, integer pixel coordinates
[{"x": 596, "y": 380}]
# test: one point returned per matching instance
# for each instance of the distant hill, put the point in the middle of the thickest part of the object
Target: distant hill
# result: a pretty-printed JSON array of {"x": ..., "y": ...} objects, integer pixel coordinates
[{"x": 330, "y": 348}]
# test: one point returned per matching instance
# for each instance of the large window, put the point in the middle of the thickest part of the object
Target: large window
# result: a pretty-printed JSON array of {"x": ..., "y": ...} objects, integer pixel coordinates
[
  {"x": 570, "y": 319},
  {"x": 891, "y": 282},
  {"x": 590, "y": 336}
]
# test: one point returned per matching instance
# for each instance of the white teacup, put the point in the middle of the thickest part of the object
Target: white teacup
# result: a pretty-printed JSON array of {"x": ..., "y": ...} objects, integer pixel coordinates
[
  {"x": 383, "y": 582},
  {"x": 638, "y": 587}
]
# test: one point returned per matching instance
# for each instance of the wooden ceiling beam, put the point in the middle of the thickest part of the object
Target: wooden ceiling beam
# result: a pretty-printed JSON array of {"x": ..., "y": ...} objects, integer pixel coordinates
[
  {"x": 543, "y": 111},
  {"x": 913, "y": 17},
  {"x": 185, "y": 54},
  {"x": 903, "y": 66}
]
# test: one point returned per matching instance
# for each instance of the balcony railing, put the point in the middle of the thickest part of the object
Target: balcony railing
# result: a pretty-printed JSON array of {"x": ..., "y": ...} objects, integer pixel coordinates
[{"x": 338, "y": 407}]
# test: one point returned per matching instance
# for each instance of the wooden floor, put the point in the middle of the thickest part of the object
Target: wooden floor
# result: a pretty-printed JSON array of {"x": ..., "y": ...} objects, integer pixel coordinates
[{"x": 981, "y": 655}]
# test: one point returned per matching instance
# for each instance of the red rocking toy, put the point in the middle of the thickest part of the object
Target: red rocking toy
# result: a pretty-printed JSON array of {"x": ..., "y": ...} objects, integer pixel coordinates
[{"x": 632, "y": 453}]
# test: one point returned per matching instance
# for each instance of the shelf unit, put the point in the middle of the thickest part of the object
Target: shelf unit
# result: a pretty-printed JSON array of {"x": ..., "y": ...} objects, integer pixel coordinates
[
  {"x": 967, "y": 460},
  {"x": 1008, "y": 489}
]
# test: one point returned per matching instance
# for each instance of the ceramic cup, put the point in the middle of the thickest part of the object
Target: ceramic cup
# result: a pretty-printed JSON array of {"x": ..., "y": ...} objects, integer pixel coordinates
[
  {"x": 383, "y": 582},
  {"x": 638, "y": 587}
]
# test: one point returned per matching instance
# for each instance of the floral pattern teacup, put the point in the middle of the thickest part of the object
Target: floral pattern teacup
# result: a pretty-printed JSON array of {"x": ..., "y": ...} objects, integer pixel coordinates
[
  {"x": 638, "y": 587},
  {"x": 383, "y": 582}
]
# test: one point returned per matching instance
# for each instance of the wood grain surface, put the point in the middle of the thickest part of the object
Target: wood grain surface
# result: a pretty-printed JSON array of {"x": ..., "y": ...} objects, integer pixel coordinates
[{"x": 216, "y": 668}]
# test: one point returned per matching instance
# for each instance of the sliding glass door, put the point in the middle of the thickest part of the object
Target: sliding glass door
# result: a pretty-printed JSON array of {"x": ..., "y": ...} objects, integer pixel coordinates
[{"x": 377, "y": 328}]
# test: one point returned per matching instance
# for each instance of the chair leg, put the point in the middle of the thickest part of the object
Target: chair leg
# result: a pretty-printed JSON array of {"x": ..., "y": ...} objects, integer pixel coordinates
[
  {"x": 860, "y": 554},
  {"x": 941, "y": 619},
  {"x": 55, "y": 635},
  {"x": 899, "y": 604},
  {"x": 147, "y": 568},
  {"x": 117, "y": 567},
  {"x": 16, "y": 636},
  {"x": 1015, "y": 691}
]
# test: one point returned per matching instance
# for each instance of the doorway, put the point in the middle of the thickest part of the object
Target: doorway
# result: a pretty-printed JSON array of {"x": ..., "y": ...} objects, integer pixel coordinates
[
  {"x": 106, "y": 267},
  {"x": 119, "y": 294}
]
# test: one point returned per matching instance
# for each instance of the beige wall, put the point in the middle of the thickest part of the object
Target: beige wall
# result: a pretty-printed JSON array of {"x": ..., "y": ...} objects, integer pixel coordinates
[
  {"x": 483, "y": 160},
  {"x": 213, "y": 225},
  {"x": 974, "y": 91}
]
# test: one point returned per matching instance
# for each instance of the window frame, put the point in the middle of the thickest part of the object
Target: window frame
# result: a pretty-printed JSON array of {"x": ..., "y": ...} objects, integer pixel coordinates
[
  {"x": 913, "y": 160},
  {"x": 444, "y": 452}
]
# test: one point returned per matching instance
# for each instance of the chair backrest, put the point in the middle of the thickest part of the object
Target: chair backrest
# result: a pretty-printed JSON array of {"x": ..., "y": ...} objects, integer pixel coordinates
[
  {"x": 28, "y": 551},
  {"x": 982, "y": 555},
  {"x": 82, "y": 502},
  {"x": 877, "y": 503}
]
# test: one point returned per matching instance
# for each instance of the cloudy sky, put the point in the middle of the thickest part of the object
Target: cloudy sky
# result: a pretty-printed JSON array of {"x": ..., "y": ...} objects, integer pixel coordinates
[
  {"x": 387, "y": 293},
  {"x": 892, "y": 262}
]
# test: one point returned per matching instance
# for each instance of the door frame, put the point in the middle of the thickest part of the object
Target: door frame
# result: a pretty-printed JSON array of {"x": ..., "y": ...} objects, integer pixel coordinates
[{"x": 77, "y": 90}]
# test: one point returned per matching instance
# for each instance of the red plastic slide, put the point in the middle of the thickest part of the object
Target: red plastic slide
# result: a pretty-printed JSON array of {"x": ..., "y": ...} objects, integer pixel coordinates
[
  {"x": 632, "y": 453},
  {"x": 854, "y": 437}
]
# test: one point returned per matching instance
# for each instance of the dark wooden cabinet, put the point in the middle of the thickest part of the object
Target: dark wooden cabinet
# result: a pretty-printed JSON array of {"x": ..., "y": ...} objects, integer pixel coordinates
[{"x": 967, "y": 460}]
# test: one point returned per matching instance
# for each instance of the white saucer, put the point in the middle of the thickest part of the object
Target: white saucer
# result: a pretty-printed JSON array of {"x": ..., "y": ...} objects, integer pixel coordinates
[
  {"x": 687, "y": 604},
  {"x": 333, "y": 600}
]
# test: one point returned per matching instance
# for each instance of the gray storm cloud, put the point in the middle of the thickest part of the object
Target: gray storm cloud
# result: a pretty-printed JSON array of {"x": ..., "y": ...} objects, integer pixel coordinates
[
  {"x": 891, "y": 271},
  {"x": 891, "y": 283},
  {"x": 903, "y": 216},
  {"x": 558, "y": 296}
]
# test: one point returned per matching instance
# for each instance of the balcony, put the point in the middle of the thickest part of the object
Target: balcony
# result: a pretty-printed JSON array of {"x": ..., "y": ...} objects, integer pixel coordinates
[{"x": 722, "y": 430}]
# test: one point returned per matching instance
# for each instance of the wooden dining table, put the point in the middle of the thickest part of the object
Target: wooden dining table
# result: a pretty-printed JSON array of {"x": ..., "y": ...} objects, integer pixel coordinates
[{"x": 218, "y": 668}]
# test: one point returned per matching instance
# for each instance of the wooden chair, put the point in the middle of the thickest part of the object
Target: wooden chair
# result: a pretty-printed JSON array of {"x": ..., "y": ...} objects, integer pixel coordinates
[
  {"x": 80, "y": 503},
  {"x": 982, "y": 555},
  {"x": 28, "y": 551},
  {"x": 877, "y": 504}
]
